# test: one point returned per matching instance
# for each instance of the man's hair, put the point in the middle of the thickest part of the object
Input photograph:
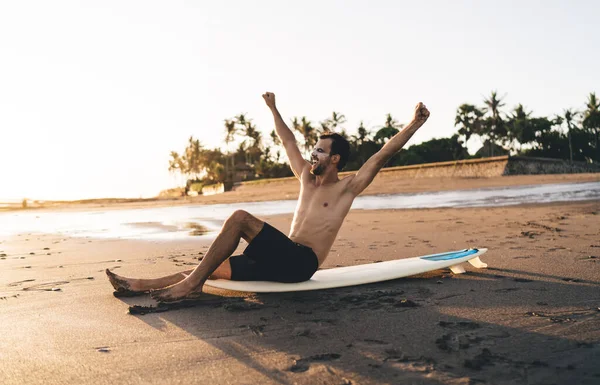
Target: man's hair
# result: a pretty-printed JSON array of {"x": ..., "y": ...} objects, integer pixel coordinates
[{"x": 339, "y": 146}]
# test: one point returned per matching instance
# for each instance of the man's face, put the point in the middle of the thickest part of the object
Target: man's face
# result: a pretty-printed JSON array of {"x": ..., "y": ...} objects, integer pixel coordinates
[{"x": 320, "y": 157}]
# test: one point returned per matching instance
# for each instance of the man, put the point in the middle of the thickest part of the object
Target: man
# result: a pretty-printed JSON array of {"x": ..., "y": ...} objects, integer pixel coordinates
[{"x": 322, "y": 206}]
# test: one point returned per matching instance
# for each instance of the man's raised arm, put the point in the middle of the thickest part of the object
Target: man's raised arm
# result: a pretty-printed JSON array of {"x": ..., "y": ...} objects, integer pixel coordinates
[
  {"x": 367, "y": 172},
  {"x": 297, "y": 162}
]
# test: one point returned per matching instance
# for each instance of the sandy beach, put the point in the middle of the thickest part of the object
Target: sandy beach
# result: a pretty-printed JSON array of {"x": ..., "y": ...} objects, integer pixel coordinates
[{"x": 531, "y": 317}]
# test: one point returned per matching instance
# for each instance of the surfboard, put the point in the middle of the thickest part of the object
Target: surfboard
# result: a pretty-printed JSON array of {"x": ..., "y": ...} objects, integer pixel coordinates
[{"x": 362, "y": 274}]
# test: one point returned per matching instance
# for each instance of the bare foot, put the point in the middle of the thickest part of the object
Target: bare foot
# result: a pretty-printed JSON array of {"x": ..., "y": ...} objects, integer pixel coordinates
[
  {"x": 123, "y": 286},
  {"x": 176, "y": 292}
]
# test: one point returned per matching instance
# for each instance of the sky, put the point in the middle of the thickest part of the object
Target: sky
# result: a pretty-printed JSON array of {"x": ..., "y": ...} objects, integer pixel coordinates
[{"x": 94, "y": 95}]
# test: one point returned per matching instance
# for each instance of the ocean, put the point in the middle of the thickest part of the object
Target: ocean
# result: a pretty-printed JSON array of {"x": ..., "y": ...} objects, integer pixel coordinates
[{"x": 186, "y": 222}]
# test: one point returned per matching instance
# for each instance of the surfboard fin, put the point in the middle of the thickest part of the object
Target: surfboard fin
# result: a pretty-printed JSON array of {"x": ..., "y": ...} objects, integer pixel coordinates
[
  {"x": 457, "y": 269},
  {"x": 476, "y": 262}
]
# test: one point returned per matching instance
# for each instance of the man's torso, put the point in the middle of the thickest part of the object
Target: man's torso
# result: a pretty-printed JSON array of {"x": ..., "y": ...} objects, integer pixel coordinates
[{"x": 320, "y": 213}]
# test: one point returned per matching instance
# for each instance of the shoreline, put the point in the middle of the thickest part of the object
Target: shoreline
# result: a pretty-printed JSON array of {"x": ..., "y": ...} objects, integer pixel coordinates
[{"x": 288, "y": 189}]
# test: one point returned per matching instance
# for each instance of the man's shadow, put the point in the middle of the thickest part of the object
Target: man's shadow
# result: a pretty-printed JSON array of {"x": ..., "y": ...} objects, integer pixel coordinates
[{"x": 430, "y": 328}]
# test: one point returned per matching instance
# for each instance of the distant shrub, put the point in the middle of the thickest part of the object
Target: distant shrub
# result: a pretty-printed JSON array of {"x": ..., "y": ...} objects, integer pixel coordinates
[{"x": 197, "y": 187}]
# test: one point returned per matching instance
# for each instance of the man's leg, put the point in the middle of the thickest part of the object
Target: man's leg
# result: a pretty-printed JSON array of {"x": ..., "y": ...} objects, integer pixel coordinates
[
  {"x": 135, "y": 285},
  {"x": 239, "y": 225},
  {"x": 141, "y": 285}
]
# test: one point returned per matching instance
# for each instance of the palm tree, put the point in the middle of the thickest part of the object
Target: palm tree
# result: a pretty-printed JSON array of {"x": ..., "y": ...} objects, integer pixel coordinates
[
  {"x": 176, "y": 164},
  {"x": 361, "y": 134},
  {"x": 230, "y": 131},
  {"x": 337, "y": 119},
  {"x": 324, "y": 127},
  {"x": 275, "y": 138},
  {"x": 495, "y": 124},
  {"x": 391, "y": 128},
  {"x": 256, "y": 136},
  {"x": 591, "y": 119},
  {"x": 193, "y": 156},
  {"x": 241, "y": 119},
  {"x": 519, "y": 128},
  {"x": 243, "y": 123},
  {"x": 468, "y": 117},
  {"x": 568, "y": 115},
  {"x": 331, "y": 124},
  {"x": 359, "y": 144},
  {"x": 276, "y": 143},
  {"x": 308, "y": 132}
]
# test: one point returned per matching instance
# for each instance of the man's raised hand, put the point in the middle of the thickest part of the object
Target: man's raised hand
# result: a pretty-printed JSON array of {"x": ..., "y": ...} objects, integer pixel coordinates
[
  {"x": 269, "y": 99},
  {"x": 421, "y": 114}
]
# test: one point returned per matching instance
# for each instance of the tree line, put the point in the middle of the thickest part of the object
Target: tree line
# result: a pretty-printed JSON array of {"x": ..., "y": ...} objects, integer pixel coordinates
[{"x": 570, "y": 135}]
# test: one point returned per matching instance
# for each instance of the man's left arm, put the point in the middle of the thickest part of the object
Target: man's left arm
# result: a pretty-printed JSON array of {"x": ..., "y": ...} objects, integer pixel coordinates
[{"x": 367, "y": 172}]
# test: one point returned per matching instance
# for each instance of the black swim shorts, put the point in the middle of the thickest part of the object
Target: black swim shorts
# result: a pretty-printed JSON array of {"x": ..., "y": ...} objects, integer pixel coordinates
[{"x": 272, "y": 256}]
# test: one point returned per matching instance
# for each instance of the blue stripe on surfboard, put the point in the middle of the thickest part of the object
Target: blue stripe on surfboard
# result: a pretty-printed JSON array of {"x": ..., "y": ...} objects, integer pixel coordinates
[{"x": 450, "y": 255}]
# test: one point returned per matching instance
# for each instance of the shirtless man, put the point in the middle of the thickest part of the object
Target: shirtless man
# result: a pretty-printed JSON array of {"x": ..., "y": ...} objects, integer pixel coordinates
[{"x": 322, "y": 206}]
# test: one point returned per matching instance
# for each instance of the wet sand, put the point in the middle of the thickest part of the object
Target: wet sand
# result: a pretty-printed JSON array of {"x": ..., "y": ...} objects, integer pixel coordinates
[{"x": 532, "y": 317}]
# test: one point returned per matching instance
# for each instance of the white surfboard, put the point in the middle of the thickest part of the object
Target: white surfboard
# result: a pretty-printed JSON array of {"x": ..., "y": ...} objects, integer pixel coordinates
[{"x": 362, "y": 274}]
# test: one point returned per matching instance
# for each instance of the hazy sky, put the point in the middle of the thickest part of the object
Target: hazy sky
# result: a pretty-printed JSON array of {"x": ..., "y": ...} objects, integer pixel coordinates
[{"x": 95, "y": 94}]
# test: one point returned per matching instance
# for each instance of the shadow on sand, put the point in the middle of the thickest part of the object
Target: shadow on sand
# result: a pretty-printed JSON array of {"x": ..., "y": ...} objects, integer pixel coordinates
[{"x": 497, "y": 326}]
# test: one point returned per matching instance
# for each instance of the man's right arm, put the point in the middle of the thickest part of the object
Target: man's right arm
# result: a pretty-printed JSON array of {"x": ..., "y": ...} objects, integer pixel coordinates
[{"x": 297, "y": 162}]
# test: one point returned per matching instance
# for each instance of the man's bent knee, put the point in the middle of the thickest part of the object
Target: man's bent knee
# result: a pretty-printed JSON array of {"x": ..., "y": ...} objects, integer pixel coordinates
[
  {"x": 236, "y": 220},
  {"x": 240, "y": 216},
  {"x": 246, "y": 223}
]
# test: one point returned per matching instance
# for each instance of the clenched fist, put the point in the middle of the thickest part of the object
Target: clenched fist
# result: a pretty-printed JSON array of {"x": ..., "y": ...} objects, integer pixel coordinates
[
  {"x": 421, "y": 114},
  {"x": 269, "y": 99}
]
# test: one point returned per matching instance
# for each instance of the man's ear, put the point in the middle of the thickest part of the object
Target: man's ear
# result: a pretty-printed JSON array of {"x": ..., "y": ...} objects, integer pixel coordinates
[{"x": 335, "y": 159}]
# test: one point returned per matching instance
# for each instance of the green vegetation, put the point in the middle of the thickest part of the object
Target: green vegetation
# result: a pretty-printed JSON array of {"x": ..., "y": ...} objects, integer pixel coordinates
[{"x": 572, "y": 135}]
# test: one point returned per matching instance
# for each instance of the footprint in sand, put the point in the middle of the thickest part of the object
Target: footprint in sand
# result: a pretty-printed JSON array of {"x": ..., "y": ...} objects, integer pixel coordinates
[
  {"x": 20, "y": 282},
  {"x": 12, "y": 296},
  {"x": 530, "y": 234},
  {"x": 303, "y": 364},
  {"x": 452, "y": 342},
  {"x": 52, "y": 286},
  {"x": 302, "y": 332},
  {"x": 257, "y": 330}
]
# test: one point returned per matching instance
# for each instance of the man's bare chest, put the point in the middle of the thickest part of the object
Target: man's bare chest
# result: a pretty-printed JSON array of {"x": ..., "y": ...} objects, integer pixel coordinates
[{"x": 324, "y": 197}]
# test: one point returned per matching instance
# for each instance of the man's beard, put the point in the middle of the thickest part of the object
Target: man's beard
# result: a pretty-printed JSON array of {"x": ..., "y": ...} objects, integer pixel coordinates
[{"x": 318, "y": 170}]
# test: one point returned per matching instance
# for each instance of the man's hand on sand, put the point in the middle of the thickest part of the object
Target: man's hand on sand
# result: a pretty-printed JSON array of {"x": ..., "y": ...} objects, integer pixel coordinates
[
  {"x": 421, "y": 114},
  {"x": 269, "y": 99}
]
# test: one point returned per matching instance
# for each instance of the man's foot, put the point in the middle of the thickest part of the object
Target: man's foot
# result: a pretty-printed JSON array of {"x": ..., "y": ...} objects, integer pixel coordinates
[
  {"x": 124, "y": 287},
  {"x": 174, "y": 293}
]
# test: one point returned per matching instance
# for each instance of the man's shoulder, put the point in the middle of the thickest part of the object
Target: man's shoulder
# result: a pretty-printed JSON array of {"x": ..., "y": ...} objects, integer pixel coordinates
[
  {"x": 345, "y": 184},
  {"x": 345, "y": 180},
  {"x": 348, "y": 177}
]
